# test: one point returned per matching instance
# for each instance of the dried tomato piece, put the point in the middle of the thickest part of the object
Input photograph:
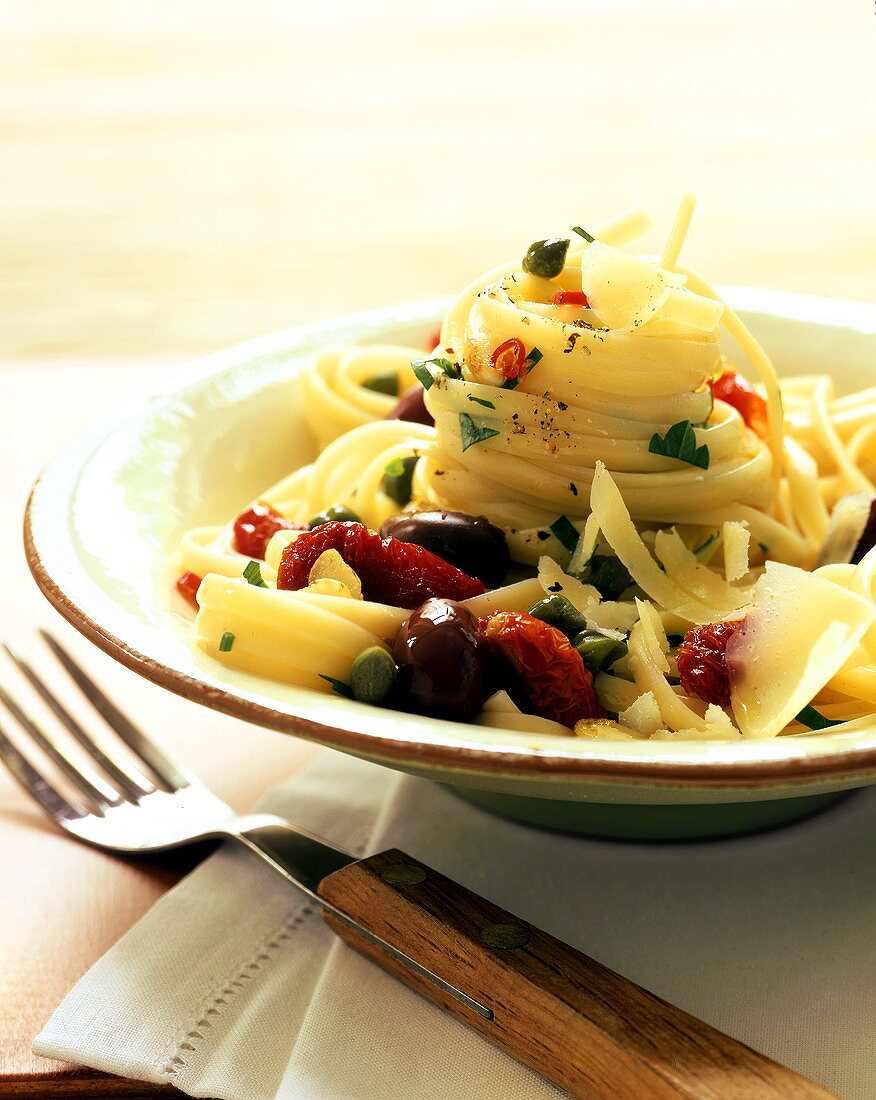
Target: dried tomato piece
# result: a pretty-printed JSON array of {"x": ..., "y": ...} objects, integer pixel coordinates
[
  {"x": 733, "y": 389},
  {"x": 394, "y": 572},
  {"x": 187, "y": 586},
  {"x": 702, "y": 661},
  {"x": 553, "y": 677},
  {"x": 254, "y": 529}
]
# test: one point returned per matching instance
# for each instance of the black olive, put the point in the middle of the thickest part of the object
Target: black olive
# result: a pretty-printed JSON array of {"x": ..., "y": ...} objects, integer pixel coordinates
[
  {"x": 412, "y": 407},
  {"x": 443, "y": 662},
  {"x": 471, "y": 543}
]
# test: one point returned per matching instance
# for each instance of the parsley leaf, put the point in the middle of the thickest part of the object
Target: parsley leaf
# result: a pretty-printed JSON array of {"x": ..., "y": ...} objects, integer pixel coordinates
[
  {"x": 583, "y": 233},
  {"x": 473, "y": 432},
  {"x": 421, "y": 369},
  {"x": 338, "y": 686},
  {"x": 810, "y": 717},
  {"x": 226, "y": 642},
  {"x": 480, "y": 401},
  {"x": 535, "y": 356},
  {"x": 564, "y": 530},
  {"x": 423, "y": 373},
  {"x": 680, "y": 442},
  {"x": 253, "y": 574}
]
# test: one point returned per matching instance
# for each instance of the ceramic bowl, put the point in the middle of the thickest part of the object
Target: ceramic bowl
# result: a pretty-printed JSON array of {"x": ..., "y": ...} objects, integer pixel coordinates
[{"x": 194, "y": 449}]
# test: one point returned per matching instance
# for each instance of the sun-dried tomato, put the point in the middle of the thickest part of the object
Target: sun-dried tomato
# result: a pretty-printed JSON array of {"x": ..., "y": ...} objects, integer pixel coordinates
[
  {"x": 254, "y": 529},
  {"x": 187, "y": 586},
  {"x": 733, "y": 389},
  {"x": 394, "y": 572},
  {"x": 551, "y": 674},
  {"x": 570, "y": 298},
  {"x": 702, "y": 661}
]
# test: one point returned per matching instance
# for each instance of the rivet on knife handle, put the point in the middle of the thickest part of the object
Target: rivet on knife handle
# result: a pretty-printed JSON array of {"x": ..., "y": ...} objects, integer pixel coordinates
[{"x": 580, "y": 1025}]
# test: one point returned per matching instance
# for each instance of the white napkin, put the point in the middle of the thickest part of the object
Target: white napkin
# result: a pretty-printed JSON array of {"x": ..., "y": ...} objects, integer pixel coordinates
[{"x": 232, "y": 987}]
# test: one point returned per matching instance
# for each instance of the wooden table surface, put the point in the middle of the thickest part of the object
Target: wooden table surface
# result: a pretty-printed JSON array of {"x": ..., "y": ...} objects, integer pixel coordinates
[{"x": 177, "y": 177}]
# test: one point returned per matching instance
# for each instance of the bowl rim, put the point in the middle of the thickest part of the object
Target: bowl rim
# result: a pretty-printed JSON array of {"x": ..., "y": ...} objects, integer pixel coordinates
[{"x": 445, "y": 753}]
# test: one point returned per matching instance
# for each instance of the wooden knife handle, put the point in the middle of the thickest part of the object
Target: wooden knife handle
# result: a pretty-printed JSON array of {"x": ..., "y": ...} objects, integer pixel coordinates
[{"x": 580, "y": 1025}]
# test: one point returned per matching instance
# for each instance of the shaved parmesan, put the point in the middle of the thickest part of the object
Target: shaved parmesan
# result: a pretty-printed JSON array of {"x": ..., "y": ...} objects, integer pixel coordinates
[
  {"x": 736, "y": 541},
  {"x": 555, "y": 582},
  {"x": 643, "y": 716},
  {"x": 800, "y": 630},
  {"x": 624, "y": 290},
  {"x": 500, "y": 702}
]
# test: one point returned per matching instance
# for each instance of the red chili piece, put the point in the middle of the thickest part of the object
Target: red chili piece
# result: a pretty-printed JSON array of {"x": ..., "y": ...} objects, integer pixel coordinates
[
  {"x": 434, "y": 339},
  {"x": 254, "y": 529},
  {"x": 734, "y": 390},
  {"x": 570, "y": 298},
  {"x": 187, "y": 586},
  {"x": 394, "y": 572},
  {"x": 556, "y": 682},
  {"x": 702, "y": 661},
  {"x": 509, "y": 359}
]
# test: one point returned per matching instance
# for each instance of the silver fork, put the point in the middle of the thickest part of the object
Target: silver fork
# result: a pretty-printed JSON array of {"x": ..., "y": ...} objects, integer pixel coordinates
[{"x": 163, "y": 806}]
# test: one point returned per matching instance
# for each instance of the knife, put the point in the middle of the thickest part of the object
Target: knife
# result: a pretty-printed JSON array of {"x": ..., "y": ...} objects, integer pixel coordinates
[{"x": 577, "y": 1023}]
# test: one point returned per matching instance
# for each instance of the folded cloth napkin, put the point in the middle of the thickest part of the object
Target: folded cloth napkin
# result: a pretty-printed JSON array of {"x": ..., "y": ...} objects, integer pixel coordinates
[{"x": 232, "y": 987}]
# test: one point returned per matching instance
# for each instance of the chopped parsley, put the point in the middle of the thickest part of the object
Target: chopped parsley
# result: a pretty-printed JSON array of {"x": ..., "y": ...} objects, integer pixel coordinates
[
  {"x": 420, "y": 368},
  {"x": 680, "y": 442},
  {"x": 338, "y": 686},
  {"x": 253, "y": 574},
  {"x": 810, "y": 717},
  {"x": 583, "y": 233},
  {"x": 423, "y": 373},
  {"x": 472, "y": 432},
  {"x": 226, "y": 642},
  {"x": 480, "y": 401},
  {"x": 564, "y": 530}
]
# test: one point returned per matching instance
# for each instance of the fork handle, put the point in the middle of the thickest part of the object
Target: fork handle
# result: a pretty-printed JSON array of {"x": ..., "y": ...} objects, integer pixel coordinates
[{"x": 580, "y": 1025}]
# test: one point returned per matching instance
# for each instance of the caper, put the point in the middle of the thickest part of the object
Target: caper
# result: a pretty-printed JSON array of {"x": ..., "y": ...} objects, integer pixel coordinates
[
  {"x": 599, "y": 650},
  {"x": 559, "y": 612},
  {"x": 335, "y": 513},
  {"x": 372, "y": 675},
  {"x": 608, "y": 575},
  {"x": 398, "y": 478},
  {"x": 546, "y": 258},
  {"x": 384, "y": 382}
]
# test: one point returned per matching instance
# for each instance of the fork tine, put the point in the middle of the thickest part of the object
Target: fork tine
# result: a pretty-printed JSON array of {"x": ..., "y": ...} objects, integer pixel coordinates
[
  {"x": 134, "y": 786},
  {"x": 98, "y": 794},
  {"x": 36, "y": 785},
  {"x": 169, "y": 774}
]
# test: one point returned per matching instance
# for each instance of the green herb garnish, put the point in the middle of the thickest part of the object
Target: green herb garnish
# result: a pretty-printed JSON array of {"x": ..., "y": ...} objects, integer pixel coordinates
[
  {"x": 564, "y": 530},
  {"x": 608, "y": 575},
  {"x": 253, "y": 574},
  {"x": 226, "y": 642},
  {"x": 546, "y": 258},
  {"x": 583, "y": 233},
  {"x": 384, "y": 382},
  {"x": 705, "y": 545},
  {"x": 533, "y": 358},
  {"x": 680, "y": 442},
  {"x": 338, "y": 686},
  {"x": 472, "y": 432},
  {"x": 764, "y": 549},
  {"x": 480, "y": 401},
  {"x": 810, "y": 717}
]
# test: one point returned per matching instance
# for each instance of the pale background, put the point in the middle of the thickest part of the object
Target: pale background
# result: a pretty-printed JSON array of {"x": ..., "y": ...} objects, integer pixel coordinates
[{"x": 177, "y": 176}]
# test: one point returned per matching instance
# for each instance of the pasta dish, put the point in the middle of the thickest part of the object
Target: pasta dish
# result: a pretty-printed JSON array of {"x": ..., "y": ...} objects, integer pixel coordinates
[{"x": 569, "y": 514}]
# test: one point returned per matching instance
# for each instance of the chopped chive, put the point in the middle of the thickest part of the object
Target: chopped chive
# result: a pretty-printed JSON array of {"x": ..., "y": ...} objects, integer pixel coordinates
[
  {"x": 705, "y": 545},
  {"x": 764, "y": 549},
  {"x": 253, "y": 574},
  {"x": 535, "y": 356},
  {"x": 564, "y": 530},
  {"x": 480, "y": 401},
  {"x": 338, "y": 686},
  {"x": 510, "y": 383},
  {"x": 810, "y": 717},
  {"x": 583, "y": 233},
  {"x": 472, "y": 432},
  {"x": 680, "y": 442},
  {"x": 226, "y": 642}
]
